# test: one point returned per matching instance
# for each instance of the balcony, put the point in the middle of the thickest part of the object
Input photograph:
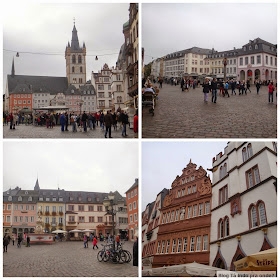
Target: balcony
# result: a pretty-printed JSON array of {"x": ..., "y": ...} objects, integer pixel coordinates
[
  {"x": 53, "y": 213},
  {"x": 60, "y": 213},
  {"x": 132, "y": 68},
  {"x": 71, "y": 223},
  {"x": 133, "y": 90},
  {"x": 53, "y": 224},
  {"x": 47, "y": 213}
]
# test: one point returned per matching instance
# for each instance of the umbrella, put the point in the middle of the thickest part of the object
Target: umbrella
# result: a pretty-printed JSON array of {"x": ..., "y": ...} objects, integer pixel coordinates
[
  {"x": 262, "y": 261},
  {"x": 59, "y": 231},
  {"x": 87, "y": 230},
  {"x": 76, "y": 230}
]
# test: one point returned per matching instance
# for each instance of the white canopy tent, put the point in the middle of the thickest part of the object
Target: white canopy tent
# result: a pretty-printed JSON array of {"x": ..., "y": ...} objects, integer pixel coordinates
[{"x": 183, "y": 270}]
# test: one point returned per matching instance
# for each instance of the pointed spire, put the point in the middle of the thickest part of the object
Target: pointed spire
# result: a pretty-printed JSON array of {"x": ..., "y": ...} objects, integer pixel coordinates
[
  {"x": 13, "y": 68},
  {"x": 68, "y": 44},
  {"x": 75, "y": 41},
  {"x": 84, "y": 45},
  {"x": 37, "y": 187},
  {"x": 190, "y": 161}
]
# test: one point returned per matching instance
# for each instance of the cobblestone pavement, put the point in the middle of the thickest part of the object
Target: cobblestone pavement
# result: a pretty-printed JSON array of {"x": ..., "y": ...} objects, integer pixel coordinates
[
  {"x": 30, "y": 131},
  {"x": 62, "y": 259},
  {"x": 185, "y": 115}
]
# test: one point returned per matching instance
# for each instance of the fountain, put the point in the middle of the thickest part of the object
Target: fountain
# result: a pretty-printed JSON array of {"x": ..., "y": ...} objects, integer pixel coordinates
[{"x": 39, "y": 236}]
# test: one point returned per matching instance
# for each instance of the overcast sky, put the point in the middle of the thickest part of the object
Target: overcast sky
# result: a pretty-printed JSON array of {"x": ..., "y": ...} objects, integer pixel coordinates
[
  {"x": 77, "y": 165},
  {"x": 167, "y": 28},
  {"x": 47, "y": 28},
  {"x": 163, "y": 161}
]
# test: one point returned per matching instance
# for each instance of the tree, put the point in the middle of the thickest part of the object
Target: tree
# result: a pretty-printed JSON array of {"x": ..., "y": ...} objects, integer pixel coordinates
[{"x": 147, "y": 70}]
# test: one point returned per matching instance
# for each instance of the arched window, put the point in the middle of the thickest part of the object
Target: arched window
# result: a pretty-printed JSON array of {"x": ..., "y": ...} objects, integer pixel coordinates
[
  {"x": 225, "y": 169},
  {"x": 262, "y": 215},
  {"x": 79, "y": 59},
  {"x": 73, "y": 69},
  {"x": 81, "y": 69},
  {"x": 249, "y": 150},
  {"x": 220, "y": 229},
  {"x": 244, "y": 154},
  {"x": 226, "y": 226},
  {"x": 221, "y": 172},
  {"x": 73, "y": 58},
  {"x": 120, "y": 99},
  {"x": 254, "y": 217}
]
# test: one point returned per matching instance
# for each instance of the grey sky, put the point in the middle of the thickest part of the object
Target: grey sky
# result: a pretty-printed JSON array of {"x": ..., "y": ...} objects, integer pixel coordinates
[
  {"x": 163, "y": 161},
  {"x": 83, "y": 165},
  {"x": 167, "y": 28},
  {"x": 47, "y": 28}
]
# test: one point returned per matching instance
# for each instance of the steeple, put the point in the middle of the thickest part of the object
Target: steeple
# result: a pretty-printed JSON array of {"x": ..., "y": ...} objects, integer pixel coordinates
[
  {"x": 37, "y": 187},
  {"x": 75, "y": 41},
  {"x": 13, "y": 68}
]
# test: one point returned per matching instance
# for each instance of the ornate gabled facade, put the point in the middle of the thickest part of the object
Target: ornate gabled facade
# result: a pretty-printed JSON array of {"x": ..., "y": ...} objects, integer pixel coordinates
[
  {"x": 184, "y": 226},
  {"x": 75, "y": 57}
]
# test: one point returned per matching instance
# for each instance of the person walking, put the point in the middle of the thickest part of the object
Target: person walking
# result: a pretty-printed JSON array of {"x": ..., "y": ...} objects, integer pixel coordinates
[
  {"x": 28, "y": 241},
  {"x": 233, "y": 85},
  {"x": 11, "y": 120},
  {"x": 101, "y": 120},
  {"x": 226, "y": 89},
  {"x": 258, "y": 86},
  {"x": 248, "y": 85},
  {"x": 5, "y": 243},
  {"x": 214, "y": 86},
  {"x": 135, "y": 124},
  {"x": 13, "y": 239},
  {"x": 118, "y": 240},
  {"x": 221, "y": 88},
  {"x": 108, "y": 123},
  {"x": 19, "y": 241},
  {"x": 206, "y": 88},
  {"x": 124, "y": 120},
  {"x": 84, "y": 120},
  {"x": 62, "y": 122},
  {"x": 85, "y": 241},
  {"x": 66, "y": 121},
  {"x": 271, "y": 89},
  {"x": 94, "y": 243}
]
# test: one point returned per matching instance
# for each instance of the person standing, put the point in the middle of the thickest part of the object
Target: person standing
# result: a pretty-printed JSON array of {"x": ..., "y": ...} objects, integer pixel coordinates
[
  {"x": 101, "y": 120},
  {"x": 233, "y": 87},
  {"x": 214, "y": 86},
  {"x": 226, "y": 89},
  {"x": 206, "y": 88},
  {"x": 62, "y": 122},
  {"x": 5, "y": 243},
  {"x": 19, "y": 241},
  {"x": 124, "y": 120},
  {"x": 11, "y": 120},
  {"x": 13, "y": 238},
  {"x": 66, "y": 122},
  {"x": 221, "y": 88},
  {"x": 248, "y": 85},
  {"x": 135, "y": 124},
  {"x": 271, "y": 88},
  {"x": 85, "y": 241},
  {"x": 108, "y": 123},
  {"x": 135, "y": 251},
  {"x": 84, "y": 120}
]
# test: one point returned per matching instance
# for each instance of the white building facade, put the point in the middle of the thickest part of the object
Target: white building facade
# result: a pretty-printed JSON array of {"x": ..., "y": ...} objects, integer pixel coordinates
[{"x": 244, "y": 202}]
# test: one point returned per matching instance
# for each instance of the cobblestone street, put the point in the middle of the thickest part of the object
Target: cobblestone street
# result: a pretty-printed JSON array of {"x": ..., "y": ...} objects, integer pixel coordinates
[
  {"x": 62, "y": 259},
  {"x": 184, "y": 115},
  {"x": 30, "y": 131}
]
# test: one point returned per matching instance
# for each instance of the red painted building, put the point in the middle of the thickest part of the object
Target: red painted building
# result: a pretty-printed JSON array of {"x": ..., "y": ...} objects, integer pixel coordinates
[
  {"x": 132, "y": 210},
  {"x": 184, "y": 230}
]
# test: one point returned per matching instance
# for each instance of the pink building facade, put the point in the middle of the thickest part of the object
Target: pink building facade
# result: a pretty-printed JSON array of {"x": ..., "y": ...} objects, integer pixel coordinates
[{"x": 257, "y": 60}]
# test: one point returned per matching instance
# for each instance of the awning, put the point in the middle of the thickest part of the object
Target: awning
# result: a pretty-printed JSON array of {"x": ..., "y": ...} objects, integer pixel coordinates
[
  {"x": 59, "y": 231},
  {"x": 261, "y": 261},
  {"x": 188, "y": 269}
]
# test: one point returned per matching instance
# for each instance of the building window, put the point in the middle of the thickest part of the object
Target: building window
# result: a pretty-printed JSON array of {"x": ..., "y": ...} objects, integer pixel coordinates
[
  {"x": 183, "y": 192},
  {"x": 189, "y": 212},
  {"x": 73, "y": 59},
  {"x": 158, "y": 248},
  {"x": 174, "y": 246},
  {"x": 99, "y": 208},
  {"x": 73, "y": 69},
  {"x": 241, "y": 61},
  {"x": 246, "y": 60},
  {"x": 254, "y": 218},
  {"x": 135, "y": 217},
  {"x": 205, "y": 243},
  {"x": 177, "y": 215},
  {"x": 195, "y": 210},
  {"x": 179, "y": 247},
  {"x": 200, "y": 210},
  {"x": 179, "y": 193},
  {"x": 192, "y": 244},
  {"x": 172, "y": 216},
  {"x": 258, "y": 59},
  {"x": 221, "y": 229},
  {"x": 252, "y": 60},
  {"x": 274, "y": 146},
  {"x": 223, "y": 195},
  {"x": 226, "y": 226},
  {"x": 185, "y": 244},
  {"x": 81, "y": 69},
  {"x": 81, "y": 208},
  {"x": 207, "y": 207},
  {"x": 198, "y": 243},
  {"x": 134, "y": 205},
  {"x": 252, "y": 177},
  {"x": 194, "y": 189},
  {"x": 167, "y": 217},
  {"x": 163, "y": 218},
  {"x": 189, "y": 190},
  {"x": 79, "y": 59},
  {"x": 167, "y": 246},
  {"x": 262, "y": 215},
  {"x": 163, "y": 247},
  {"x": 100, "y": 219},
  {"x": 182, "y": 216}
]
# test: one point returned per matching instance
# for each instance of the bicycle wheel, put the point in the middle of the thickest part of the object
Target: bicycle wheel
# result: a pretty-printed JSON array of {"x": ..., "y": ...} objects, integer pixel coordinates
[
  {"x": 100, "y": 256},
  {"x": 129, "y": 256},
  {"x": 123, "y": 257},
  {"x": 106, "y": 256},
  {"x": 115, "y": 257}
]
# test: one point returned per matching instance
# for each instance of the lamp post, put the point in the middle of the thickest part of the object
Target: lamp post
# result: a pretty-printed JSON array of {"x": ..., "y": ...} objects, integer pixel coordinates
[
  {"x": 225, "y": 65},
  {"x": 108, "y": 202},
  {"x": 81, "y": 102}
]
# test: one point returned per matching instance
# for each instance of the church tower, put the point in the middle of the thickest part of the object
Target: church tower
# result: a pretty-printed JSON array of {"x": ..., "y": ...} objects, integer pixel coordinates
[
  {"x": 75, "y": 57},
  {"x": 37, "y": 187}
]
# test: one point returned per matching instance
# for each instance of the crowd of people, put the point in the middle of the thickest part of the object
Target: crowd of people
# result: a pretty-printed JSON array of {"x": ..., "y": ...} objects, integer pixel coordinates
[
  {"x": 7, "y": 239},
  {"x": 81, "y": 122}
]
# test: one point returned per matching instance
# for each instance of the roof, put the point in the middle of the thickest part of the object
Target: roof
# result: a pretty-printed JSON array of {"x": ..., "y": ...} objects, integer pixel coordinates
[
  {"x": 194, "y": 50},
  {"x": 133, "y": 186},
  {"x": 53, "y": 85},
  {"x": 75, "y": 41}
]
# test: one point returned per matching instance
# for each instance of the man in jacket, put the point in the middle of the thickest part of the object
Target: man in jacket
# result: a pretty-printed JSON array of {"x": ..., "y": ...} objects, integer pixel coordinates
[
  {"x": 214, "y": 90},
  {"x": 108, "y": 119},
  {"x": 84, "y": 120}
]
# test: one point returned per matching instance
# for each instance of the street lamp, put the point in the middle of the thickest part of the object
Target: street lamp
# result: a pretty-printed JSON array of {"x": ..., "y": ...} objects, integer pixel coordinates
[{"x": 108, "y": 202}]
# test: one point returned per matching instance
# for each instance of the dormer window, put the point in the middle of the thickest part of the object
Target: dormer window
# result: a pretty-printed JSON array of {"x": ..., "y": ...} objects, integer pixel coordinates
[
  {"x": 41, "y": 199},
  {"x": 26, "y": 192},
  {"x": 30, "y": 198},
  {"x": 47, "y": 199},
  {"x": 97, "y": 199},
  {"x": 51, "y": 193},
  {"x": 54, "y": 199},
  {"x": 60, "y": 199},
  {"x": 89, "y": 198},
  {"x": 80, "y": 199},
  {"x": 244, "y": 48},
  {"x": 10, "y": 198},
  {"x": 250, "y": 47},
  {"x": 71, "y": 198},
  {"x": 256, "y": 47},
  {"x": 19, "y": 198}
]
